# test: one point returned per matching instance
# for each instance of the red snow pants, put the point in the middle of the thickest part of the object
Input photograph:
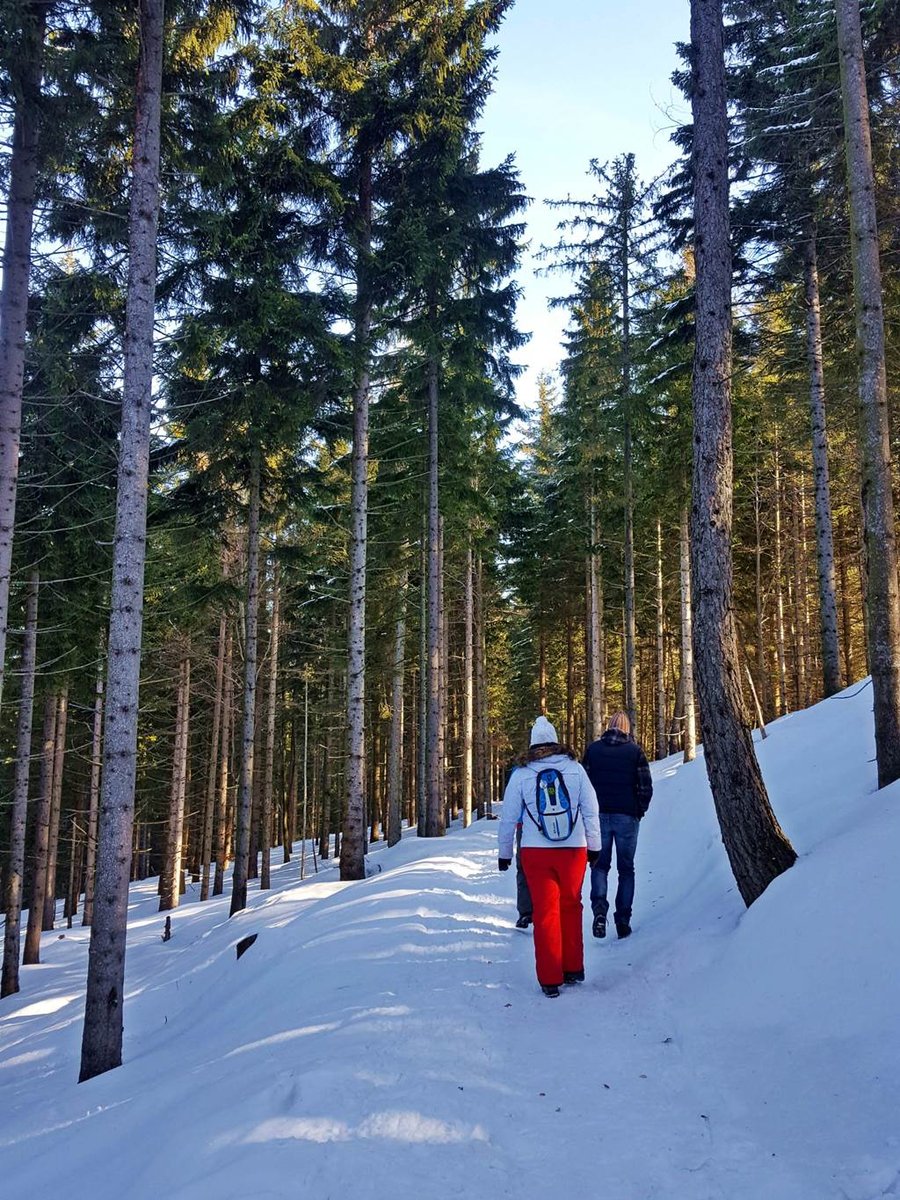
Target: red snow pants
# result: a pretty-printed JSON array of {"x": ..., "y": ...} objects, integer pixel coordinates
[{"x": 554, "y": 879}]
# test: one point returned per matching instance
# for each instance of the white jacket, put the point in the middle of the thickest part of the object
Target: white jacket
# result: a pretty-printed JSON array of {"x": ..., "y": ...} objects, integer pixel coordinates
[{"x": 520, "y": 800}]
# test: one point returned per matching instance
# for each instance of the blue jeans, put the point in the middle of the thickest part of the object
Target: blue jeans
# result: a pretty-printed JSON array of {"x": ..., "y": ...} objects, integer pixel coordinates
[{"x": 620, "y": 830}]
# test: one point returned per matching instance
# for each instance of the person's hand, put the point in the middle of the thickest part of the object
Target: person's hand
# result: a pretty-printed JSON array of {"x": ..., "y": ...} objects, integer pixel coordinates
[
  {"x": 593, "y": 855},
  {"x": 503, "y": 864}
]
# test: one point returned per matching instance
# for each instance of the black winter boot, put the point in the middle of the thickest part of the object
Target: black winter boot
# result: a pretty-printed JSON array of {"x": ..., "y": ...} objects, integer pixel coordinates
[
  {"x": 598, "y": 929},
  {"x": 573, "y": 977},
  {"x": 623, "y": 929},
  {"x": 523, "y": 922},
  {"x": 550, "y": 989}
]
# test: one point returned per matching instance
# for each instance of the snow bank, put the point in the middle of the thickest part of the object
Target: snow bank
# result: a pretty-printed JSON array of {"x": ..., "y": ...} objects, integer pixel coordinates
[{"x": 386, "y": 1039}]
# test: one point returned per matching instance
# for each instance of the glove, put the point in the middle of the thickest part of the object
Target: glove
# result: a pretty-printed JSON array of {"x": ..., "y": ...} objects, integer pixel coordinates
[
  {"x": 593, "y": 855},
  {"x": 503, "y": 864}
]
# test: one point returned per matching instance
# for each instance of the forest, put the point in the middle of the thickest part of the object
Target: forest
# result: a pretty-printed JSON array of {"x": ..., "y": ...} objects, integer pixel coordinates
[{"x": 288, "y": 565}]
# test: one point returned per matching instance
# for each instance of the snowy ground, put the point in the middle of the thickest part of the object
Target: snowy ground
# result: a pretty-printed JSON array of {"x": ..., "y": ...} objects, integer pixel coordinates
[{"x": 386, "y": 1039}]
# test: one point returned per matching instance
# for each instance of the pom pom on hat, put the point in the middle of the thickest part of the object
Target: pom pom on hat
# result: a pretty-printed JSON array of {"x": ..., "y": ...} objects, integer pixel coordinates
[{"x": 543, "y": 733}]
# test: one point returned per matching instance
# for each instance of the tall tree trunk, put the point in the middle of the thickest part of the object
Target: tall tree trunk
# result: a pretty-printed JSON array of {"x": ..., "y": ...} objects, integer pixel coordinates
[
  {"x": 828, "y": 621},
  {"x": 9, "y": 981},
  {"x": 542, "y": 672},
  {"x": 800, "y": 640},
  {"x": 846, "y": 618},
  {"x": 353, "y": 843},
  {"x": 32, "y": 954},
  {"x": 444, "y": 689},
  {"x": 23, "y": 171},
  {"x": 94, "y": 793},
  {"x": 661, "y": 739},
  {"x": 628, "y": 474},
  {"x": 305, "y": 800},
  {"x": 570, "y": 683},
  {"x": 222, "y": 783},
  {"x": 171, "y": 878},
  {"x": 630, "y": 625},
  {"x": 73, "y": 891},
  {"x": 783, "y": 706},
  {"x": 59, "y": 758},
  {"x": 756, "y": 847},
  {"x": 209, "y": 804},
  {"x": 101, "y": 1047},
  {"x": 265, "y": 880},
  {"x": 248, "y": 725},
  {"x": 434, "y": 822},
  {"x": 422, "y": 699},
  {"x": 761, "y": 669},
  {"x": 395, "y": 753},
  {"x": 687, "y": 644},
  {"x": 598, "y": 648},
  {"x": 882, "y": 595},
  {"x": 468, "y": 714},
  {"x": 589, "y": 683},
  {"x": 481, "y": 756}
]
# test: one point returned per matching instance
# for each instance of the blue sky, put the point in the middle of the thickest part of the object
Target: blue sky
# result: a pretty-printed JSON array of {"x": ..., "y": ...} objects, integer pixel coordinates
[{"x": 576, "y": 80}]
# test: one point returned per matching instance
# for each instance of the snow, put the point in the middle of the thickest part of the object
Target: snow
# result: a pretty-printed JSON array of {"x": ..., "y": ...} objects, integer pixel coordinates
[{"x": 386, "y": 1038}]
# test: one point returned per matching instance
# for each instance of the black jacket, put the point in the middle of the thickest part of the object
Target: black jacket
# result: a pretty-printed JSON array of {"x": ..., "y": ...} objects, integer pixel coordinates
[{"x": 620, "y": 773}]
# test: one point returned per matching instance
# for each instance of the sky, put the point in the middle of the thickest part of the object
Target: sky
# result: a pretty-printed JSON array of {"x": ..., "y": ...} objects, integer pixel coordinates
[{"x": 576, "y": 80}]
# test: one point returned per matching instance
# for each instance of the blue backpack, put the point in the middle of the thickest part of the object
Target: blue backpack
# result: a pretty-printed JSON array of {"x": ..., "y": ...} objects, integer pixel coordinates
[{"x": 555, "y": 815}]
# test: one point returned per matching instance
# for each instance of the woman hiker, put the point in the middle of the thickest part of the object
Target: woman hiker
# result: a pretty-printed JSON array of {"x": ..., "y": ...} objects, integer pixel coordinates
[{"x": 552, "y": 797}]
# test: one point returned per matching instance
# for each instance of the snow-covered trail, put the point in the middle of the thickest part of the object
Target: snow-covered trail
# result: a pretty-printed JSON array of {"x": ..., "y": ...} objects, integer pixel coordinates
[{"x": 387, "y": 1038}]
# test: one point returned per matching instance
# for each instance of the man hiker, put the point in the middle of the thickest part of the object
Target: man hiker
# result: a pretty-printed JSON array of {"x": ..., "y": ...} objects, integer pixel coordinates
[{"x": 620, "y": 774}]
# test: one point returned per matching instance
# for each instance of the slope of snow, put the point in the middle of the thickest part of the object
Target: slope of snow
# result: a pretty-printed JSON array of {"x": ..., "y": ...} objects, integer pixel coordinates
[{"x": 386, "y": 1039}]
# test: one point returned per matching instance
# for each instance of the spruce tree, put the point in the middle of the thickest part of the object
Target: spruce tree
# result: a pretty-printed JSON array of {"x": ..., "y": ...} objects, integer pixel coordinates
[{"x": 756, "y": 847}]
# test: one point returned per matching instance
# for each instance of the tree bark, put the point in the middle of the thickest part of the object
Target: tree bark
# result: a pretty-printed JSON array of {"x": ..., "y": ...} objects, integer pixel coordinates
[
  {"x": 758, "y": 590},
  {"x": 598, "y": 648},
  {"x": 757, "y": 849},
  {"x": 171, "y": 879},
  {"x": 32, "y": 954},
  {"x": 248, "y": 726},
  {"x": 828, "y": 620},
  {"x": 468, "y": 688},
  {"x": 687, "y": 645},
  {"x": 846, "y": 618},
  {"x": 422, "y": 698},
  {"x": 94, "y": 793},
  {"x": 265, "y": 824},
  {"x": 630, "y": 625},
  {"x": 353, "y": 843},
  {"x": 222, "y": 784},
  {"x": 101, "y": 1047},
  {"x": 23, "y": 172},
  {"x": 627, "y": 471},
  {"x": 59, "y": 758},
  {"x": 882, "y": 595},
  {"x": 444, "y": 687},
  {"x": 661, "y": 739},
  {"x": 783, "y": 706},
  {"x": 209, "y": 805},
  {"x": 799, "y": 601},
  {"x": 395, "y": 753},
  {"x": 434, "y": 822},
  {"x": 482, "y": 754},
  {"x": 9, "y": 980}
]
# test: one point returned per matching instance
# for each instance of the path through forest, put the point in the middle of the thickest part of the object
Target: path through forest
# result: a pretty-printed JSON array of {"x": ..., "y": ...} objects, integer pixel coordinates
[{"x": 386, "y": 1039}]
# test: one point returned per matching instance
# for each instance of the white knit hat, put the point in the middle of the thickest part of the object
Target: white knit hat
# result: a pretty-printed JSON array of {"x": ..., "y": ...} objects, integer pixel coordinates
[{"x": 543, "y": 733}]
